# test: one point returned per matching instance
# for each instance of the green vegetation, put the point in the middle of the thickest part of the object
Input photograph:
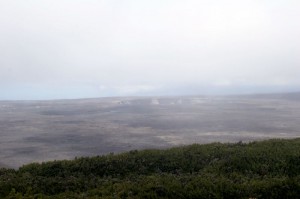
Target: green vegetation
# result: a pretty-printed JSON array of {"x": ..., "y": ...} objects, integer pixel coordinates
[{"x": 267, "y": 169}]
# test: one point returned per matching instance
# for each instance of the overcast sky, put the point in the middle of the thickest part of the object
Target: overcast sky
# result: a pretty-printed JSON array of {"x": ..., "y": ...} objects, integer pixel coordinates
[{"x": 53, "y": 49}]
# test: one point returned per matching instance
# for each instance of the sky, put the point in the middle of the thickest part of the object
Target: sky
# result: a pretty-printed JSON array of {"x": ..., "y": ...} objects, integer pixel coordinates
[{"x": 64, "y": 49}]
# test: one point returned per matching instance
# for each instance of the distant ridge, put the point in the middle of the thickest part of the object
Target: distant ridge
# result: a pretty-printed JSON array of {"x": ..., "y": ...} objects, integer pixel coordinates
[
  {"x": 283, "y": 95},
  {"x": 288, "y": 96}
]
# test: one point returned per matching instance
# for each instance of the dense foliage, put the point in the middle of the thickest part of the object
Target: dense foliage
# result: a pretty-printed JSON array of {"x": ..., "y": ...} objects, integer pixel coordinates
[{"x": 267, "y": 169}]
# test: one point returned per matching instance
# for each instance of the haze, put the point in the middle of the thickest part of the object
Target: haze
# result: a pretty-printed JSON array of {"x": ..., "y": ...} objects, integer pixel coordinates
[{"x": 79, "y": 49}]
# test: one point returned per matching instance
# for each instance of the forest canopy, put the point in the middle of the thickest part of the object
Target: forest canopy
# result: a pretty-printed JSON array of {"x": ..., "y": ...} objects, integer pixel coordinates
[{"x": 264, "y": 169}]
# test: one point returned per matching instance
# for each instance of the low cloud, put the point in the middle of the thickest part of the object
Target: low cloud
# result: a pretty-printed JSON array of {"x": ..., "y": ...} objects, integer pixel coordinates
[{"x": 65, "y": 49}]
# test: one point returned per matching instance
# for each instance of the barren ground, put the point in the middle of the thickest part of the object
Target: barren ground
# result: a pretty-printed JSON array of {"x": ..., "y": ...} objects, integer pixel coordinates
[{"x": 36, "y": 131}]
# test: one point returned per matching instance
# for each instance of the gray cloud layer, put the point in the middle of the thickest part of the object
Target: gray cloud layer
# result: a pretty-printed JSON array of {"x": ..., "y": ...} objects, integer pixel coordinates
[{"x": 76, "y": 48}]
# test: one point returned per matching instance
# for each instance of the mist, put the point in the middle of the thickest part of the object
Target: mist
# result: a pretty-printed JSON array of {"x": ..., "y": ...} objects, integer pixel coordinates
[{"x": 81, "y": 49}]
